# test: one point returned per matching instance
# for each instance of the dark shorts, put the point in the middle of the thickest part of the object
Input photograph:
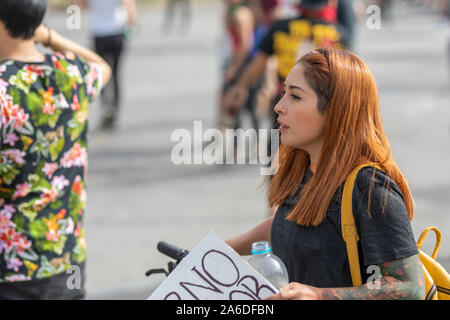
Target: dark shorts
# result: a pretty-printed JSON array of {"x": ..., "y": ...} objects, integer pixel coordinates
[{"x": 62, "y": 286}]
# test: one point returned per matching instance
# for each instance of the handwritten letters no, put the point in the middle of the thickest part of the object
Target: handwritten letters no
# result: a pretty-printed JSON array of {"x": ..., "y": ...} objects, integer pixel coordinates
[{"x": 213, "y": 271}]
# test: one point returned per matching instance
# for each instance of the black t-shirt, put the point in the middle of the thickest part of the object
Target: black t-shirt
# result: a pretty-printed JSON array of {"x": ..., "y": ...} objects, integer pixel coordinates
[
  {"x": 287, "y": 39},
  {"x": 317, "y": 256}
]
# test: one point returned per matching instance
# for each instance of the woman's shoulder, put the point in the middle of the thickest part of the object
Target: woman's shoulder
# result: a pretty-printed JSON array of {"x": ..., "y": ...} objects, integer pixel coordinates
[
  {"x": 376, "y": 183},
  {"x": 372, "y": 175}
]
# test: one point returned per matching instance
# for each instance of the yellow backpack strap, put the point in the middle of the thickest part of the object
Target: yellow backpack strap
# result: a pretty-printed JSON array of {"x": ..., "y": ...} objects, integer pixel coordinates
[
  {"x": 348, "y": 226},
  {"x": 437, "y": 280},
  {"x": 424, "y": 234}
]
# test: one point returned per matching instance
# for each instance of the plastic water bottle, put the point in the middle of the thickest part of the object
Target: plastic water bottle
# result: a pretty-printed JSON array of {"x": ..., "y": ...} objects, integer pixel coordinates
[{"x": 268, "y": 265}]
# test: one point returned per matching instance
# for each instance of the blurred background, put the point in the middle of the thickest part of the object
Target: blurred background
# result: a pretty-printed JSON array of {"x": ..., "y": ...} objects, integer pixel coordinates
[{"x": 171, "y": 76}]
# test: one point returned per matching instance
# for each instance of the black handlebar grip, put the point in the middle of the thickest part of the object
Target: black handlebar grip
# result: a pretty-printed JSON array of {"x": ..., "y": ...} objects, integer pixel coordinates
[{"x": 170, "y": 250}]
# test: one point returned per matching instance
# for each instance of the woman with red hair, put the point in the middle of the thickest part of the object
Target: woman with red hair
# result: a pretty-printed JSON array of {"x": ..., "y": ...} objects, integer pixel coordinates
[{"x": 330, "y": 124}]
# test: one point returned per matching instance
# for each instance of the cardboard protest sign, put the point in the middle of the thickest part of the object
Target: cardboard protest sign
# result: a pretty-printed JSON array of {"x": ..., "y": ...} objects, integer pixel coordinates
[{"x": 213, "y": 271}]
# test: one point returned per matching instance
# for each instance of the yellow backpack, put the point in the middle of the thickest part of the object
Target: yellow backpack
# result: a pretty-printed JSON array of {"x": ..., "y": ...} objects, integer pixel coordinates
[{"x": 437, "y": 279}]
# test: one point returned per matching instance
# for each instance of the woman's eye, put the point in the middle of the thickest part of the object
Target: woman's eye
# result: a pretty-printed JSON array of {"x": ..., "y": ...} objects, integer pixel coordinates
[{"x": 293, "y": 96}]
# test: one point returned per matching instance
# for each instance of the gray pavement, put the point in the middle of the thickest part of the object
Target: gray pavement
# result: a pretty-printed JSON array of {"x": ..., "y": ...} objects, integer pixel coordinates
[{"x": 137, "y": 196}]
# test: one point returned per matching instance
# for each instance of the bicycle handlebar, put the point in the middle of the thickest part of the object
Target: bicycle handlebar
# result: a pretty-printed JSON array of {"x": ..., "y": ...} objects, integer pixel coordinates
[{"x": 172, "y": 251}]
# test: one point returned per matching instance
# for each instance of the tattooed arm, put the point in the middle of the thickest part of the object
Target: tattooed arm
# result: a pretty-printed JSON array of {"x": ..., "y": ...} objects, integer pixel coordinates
[{"x": 400, "y": 279}]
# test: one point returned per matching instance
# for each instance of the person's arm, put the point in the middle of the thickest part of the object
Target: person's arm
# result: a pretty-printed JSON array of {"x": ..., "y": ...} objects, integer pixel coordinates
[
  {"x": 254, "y": 71},
  {"x": 402, "y": 279},
  {"x": 255, "y": 6},
  {"x": 274, "y": 13},
  {"x": 57, "y": 42},
  {"x": 244, "y": 21},
  {"x": 131, "y": 8},
  {"x": 242, "y": 244},
  {"x": 237, "y": 94}
]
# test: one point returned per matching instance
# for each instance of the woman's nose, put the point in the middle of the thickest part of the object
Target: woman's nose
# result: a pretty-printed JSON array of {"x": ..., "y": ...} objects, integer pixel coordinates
[{"x": 279, "y": 107}]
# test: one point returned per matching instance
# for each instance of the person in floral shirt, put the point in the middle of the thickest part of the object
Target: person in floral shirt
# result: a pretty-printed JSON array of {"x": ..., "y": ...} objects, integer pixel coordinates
[{"x": 44, "y": 103}]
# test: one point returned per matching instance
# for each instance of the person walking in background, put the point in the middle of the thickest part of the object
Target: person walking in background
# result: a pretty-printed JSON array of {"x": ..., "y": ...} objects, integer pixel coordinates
[
  {"x": 44, "y": 105},
  {"x": 266, "y": 13},
  {"x": 240, "y": 28},
  {"x": 346, "y": 17},
  {"x": 169, "y": 16},
  {"x": 109, "y": 22}
]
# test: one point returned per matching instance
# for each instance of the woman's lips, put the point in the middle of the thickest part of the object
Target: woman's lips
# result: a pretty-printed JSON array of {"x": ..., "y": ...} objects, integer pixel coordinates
[{"x": 283, "y": 127}]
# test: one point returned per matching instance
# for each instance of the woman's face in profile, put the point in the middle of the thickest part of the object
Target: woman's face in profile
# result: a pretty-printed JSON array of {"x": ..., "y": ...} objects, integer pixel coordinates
[{"x": 301, "y": 123}]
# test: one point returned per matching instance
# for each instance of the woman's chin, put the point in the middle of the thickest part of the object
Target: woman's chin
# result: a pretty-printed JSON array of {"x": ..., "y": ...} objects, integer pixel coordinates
[
  {"x": 285, "y": 141},
  {"x": 289, "y": 143}
]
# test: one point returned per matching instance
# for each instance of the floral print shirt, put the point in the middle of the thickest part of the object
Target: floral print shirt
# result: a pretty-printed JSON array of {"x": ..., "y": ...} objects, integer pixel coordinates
[{"x": 43, "y": 164}]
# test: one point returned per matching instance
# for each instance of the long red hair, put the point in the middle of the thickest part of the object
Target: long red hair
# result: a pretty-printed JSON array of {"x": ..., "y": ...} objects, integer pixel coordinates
[{"x": 354, "y": 134}]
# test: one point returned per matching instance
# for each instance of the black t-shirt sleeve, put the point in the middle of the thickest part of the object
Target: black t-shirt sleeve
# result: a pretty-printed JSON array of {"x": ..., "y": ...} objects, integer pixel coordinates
[
  {"x": 267, "y": 43},
  {"x": 385, "y": 232}
]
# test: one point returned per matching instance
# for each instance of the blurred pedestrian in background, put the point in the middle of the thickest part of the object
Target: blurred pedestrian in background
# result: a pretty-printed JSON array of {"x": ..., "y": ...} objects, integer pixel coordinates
[
  {"x": 266, "y": 13},
  {"x": 43, "y": 154},
  {"x": 247, "y": 22},
  {"x": 240, "y": 26},
  {"x": 346, "y": 17},
  {"x": 110, "y": 22},
  {"x": 169, "y": 17}
]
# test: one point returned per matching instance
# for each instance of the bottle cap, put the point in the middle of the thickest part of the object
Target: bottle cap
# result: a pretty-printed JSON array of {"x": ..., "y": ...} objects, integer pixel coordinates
[{"x": 261, "y": 247}]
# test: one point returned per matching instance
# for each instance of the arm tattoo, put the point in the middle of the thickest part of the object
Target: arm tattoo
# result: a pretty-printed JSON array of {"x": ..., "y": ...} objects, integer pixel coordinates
[{"x": 401, "y": 280}]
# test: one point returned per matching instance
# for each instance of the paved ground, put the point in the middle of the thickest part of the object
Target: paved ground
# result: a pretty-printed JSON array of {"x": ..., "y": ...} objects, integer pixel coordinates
[{"x": 138, "y": 197}]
